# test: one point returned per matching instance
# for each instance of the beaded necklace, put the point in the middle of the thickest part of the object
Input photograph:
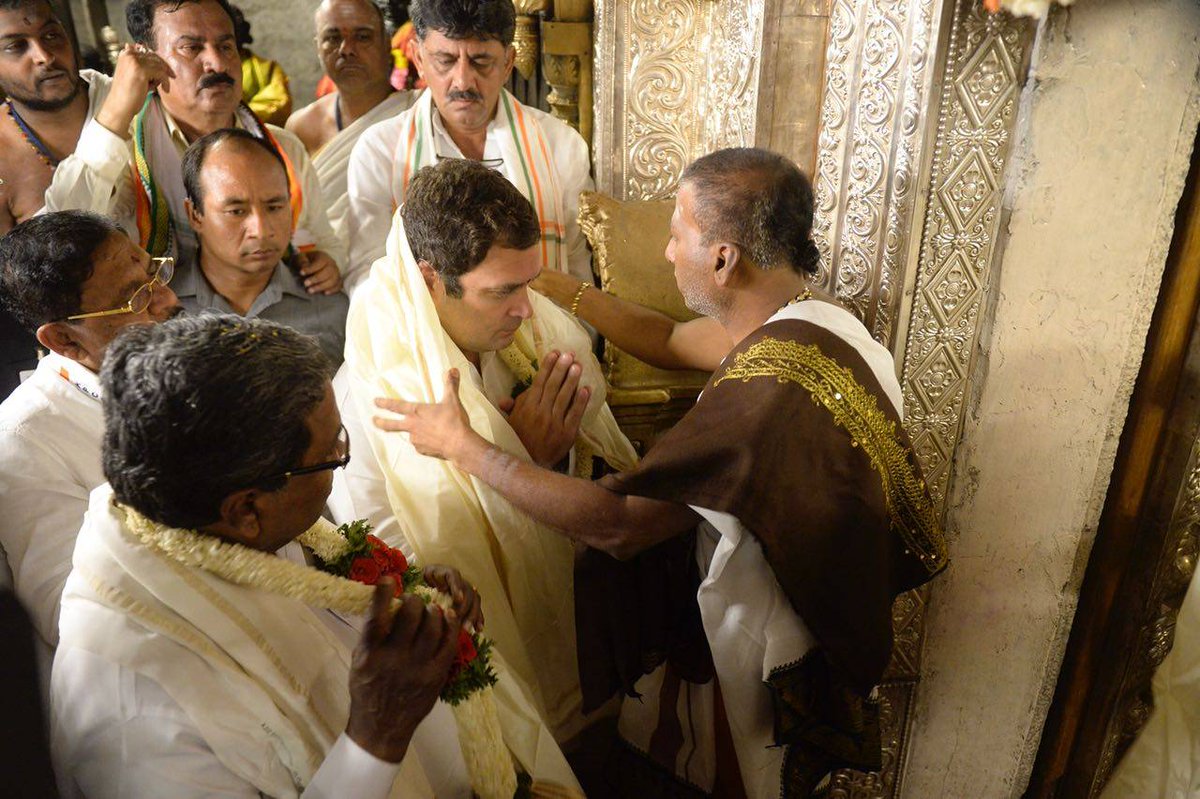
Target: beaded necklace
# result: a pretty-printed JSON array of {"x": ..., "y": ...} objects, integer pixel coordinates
[{"x": 31, "y": 137}]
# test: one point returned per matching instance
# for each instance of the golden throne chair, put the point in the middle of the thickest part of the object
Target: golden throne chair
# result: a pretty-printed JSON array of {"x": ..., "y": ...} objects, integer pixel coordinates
[{"x": 628, "y": 241}]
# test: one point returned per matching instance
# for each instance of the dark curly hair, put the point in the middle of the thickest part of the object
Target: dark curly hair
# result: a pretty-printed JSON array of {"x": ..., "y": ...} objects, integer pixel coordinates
[
  {"x": 465, "y": 19},
  {"x": 139, "y": 16},
  {"x": 44, "y": 262},
  {"x": 199, "y": 407},
  {"x": 758, "y": 200},
  {"x": 455, "y": 211}
]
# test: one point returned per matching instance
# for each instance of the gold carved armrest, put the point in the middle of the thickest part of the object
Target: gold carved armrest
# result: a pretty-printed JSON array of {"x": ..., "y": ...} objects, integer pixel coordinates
[{"x": 629, "y": 241}]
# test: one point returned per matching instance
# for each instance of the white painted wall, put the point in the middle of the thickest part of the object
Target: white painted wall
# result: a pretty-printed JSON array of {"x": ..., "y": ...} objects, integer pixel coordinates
[{"x": 1108, "y": 120}]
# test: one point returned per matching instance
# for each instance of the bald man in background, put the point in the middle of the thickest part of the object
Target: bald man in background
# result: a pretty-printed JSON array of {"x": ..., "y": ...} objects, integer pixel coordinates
[{"x": 352, "y": 43}]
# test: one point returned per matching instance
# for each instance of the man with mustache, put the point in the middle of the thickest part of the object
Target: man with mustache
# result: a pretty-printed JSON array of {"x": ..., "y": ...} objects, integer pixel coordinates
[
  {"x": 352, "y": 43},
  {"x": 237, "y": 202},
  {"x": 127, "y": 164},
  {"x": 74, "y": 280},
  {"x": 49, "y": 100},
  {"x": 465, "y": 54}
]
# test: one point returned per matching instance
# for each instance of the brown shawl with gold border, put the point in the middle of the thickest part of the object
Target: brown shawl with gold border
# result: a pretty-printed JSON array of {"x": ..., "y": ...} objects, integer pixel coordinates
[{"x": 795, "y": 437}]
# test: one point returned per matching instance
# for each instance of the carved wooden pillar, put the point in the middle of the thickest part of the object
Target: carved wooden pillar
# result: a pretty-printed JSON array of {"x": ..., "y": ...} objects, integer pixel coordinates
[{"x": 567, "y": 63}]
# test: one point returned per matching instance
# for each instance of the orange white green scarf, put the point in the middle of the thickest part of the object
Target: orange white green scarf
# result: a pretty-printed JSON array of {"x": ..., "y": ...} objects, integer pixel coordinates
[
  {"x": 158, "y": 178},
  {"x": 527, "y": 165}
]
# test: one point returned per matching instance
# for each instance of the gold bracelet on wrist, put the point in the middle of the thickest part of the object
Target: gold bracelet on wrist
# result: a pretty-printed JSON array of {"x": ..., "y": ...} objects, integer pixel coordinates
[{"x": 578, "y": 296}]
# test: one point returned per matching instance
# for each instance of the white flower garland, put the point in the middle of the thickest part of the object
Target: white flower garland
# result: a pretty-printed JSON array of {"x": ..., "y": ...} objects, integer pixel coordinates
[{"x": 488, "y": 761}]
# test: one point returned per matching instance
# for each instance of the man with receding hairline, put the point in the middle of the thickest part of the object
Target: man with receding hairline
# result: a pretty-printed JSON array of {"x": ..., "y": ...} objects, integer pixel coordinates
[
  {"x": 237, "y": 202},
  {"x": 353, "y": 46}
]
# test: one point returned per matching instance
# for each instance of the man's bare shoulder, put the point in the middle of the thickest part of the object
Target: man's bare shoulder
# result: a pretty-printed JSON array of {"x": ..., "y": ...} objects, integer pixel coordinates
[
  {"x": 25, "y": 179},
  {"x": 314, "y": 123}
]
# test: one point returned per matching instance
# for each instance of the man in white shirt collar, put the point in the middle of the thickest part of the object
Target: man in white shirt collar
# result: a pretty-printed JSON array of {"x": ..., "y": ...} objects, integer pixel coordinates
[
  {"x": 75, "y": 280},
  {"x": 465, "y": 55}
]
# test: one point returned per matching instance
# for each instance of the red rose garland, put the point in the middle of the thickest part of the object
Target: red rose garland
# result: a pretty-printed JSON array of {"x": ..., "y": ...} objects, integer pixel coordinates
[{"x": 367, "y": 559}]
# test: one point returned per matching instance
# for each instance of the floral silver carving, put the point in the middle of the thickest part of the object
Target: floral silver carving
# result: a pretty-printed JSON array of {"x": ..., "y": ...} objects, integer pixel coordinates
[
  {"x": 670, "y": 101},
  {"x": 878, "y": 87}
]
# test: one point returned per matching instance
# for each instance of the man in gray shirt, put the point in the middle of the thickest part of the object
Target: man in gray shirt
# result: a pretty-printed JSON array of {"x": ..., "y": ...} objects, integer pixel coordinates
[{"x": 237, "y": 203}]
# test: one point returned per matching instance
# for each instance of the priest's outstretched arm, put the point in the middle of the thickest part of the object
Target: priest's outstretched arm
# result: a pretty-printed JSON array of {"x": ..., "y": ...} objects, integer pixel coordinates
[
  {"x": 587, "y": 512},
  {"x": 644, "y": 333}
]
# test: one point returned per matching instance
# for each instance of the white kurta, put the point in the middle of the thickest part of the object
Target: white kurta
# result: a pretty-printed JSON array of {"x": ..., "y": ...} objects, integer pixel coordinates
[
  {"x": 98, "y": 176},
  {"x": 749, "y": 622},
  {"x": 51, "y": 429},
  {"x": 374, "y": 196},
  {"x": 118, "y": 732}
]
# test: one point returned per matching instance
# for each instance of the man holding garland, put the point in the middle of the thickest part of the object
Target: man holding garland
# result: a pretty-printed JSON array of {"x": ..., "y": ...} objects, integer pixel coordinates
[{"x": 196, "y": 655}]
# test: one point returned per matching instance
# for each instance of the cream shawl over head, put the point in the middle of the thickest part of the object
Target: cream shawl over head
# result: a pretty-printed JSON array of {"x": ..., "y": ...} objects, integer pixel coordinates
[
  {"x": 259, "y": 674},
  {"x": 396, "y": 347}
]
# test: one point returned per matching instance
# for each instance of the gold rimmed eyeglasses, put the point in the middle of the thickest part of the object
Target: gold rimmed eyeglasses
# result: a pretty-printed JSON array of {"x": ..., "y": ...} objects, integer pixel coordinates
[{"x": 164, "y": 270}]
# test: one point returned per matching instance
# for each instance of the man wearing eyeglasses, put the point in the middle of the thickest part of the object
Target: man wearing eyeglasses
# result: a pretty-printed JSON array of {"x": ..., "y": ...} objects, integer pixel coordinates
[
  {"x": 74, "y": 280},
  {"x": 180, "y": 677},
  {"x": 353, "y": 47},
  {"x": 237, "y": 202},
  {"x": 465, "y": 54}
]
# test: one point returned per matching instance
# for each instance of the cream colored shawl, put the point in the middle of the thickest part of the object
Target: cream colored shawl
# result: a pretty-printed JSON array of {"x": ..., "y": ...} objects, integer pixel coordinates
[
  {"x": 333, "y": 159},
  {"x": 260, "y": 675},
  {"x": 396, "y": 347}
]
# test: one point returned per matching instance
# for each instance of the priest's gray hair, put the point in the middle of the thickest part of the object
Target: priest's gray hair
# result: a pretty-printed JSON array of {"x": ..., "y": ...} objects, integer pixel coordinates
[
  {"x": 199, "y": 407},
  {"x": 758, "y": 200}
]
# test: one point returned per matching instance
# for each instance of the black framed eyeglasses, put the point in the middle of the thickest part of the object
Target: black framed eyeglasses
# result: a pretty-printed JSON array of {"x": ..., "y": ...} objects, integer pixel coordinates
[{"x": 338, "y": 463}]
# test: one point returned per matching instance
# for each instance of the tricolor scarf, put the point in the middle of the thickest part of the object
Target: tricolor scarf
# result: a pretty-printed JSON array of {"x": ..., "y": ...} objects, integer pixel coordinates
[
  {"x": 158, "y": 177},
  {"x": 527, "y": 165}
]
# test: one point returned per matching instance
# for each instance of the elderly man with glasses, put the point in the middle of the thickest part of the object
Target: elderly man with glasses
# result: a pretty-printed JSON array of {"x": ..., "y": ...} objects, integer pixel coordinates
[
  {"x": 202, "y": 655},
  {"x": 74, "y": 280}
]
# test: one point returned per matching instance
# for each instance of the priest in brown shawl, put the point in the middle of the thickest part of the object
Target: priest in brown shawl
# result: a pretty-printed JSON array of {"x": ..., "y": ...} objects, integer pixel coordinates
[{"x": 775, "y": 523}]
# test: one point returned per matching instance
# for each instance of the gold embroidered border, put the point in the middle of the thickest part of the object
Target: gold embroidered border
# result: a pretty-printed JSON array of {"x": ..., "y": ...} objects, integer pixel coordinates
[{"x": 857, "y": 412}]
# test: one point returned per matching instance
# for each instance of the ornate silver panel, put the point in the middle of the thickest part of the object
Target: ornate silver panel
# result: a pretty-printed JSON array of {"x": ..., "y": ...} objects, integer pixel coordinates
[
  {"x": 666, "y": 98},
  {"x": 873, "y": 126},
  {"x": 984, "y": 70}
]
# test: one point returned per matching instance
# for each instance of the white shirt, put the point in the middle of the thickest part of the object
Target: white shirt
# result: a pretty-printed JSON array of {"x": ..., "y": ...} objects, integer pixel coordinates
[
  {"x": 371, "y": 192},
  {"x": 51, "y": 428},
  {"x": 98, "y": 176},
  {"x": 117, "y": 733}
]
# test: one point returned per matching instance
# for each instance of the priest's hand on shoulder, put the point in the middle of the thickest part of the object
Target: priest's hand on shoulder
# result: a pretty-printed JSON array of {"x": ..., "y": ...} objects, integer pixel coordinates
[
  {"x": 437, "y": 429},
  {"x": 546, "y": 416},
  {"x": 400, "y": 666}
]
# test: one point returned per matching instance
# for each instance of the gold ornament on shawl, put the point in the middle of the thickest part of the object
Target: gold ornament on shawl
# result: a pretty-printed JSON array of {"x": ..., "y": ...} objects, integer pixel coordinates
[{"x": 856, "y": 411}]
